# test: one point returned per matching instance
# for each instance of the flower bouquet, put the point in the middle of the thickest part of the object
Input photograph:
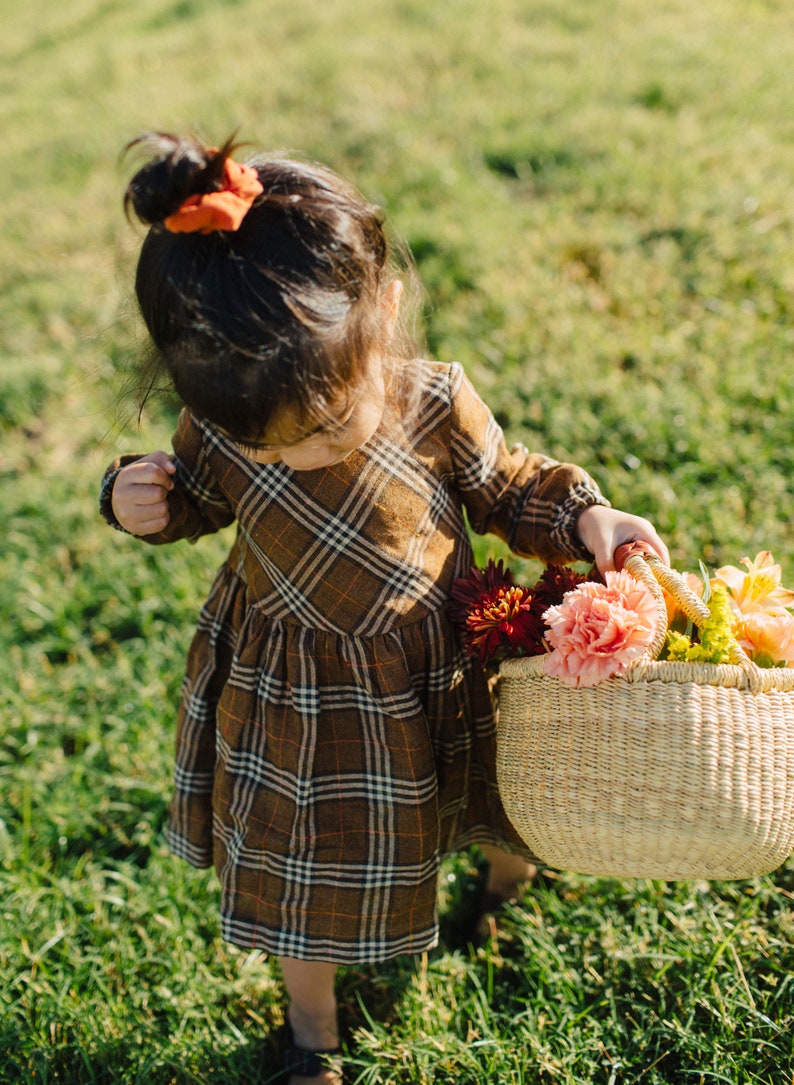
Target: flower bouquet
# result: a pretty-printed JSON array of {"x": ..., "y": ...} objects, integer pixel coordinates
[{"x": 646, "y": 719}]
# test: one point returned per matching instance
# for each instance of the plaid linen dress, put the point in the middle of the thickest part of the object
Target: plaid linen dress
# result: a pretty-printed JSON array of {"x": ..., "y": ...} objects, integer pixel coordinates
[{"x": 333, "y": 740}]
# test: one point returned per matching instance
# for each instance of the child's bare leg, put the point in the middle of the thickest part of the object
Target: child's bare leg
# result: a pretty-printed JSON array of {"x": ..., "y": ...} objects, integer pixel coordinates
[
  {"x": 507, "y": 873},
  {"x": 312, "y": 1011}
]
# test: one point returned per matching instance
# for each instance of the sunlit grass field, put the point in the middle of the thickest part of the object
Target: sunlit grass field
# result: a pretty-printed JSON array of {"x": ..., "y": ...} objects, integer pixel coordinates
[{"x": 598, "y": 199}]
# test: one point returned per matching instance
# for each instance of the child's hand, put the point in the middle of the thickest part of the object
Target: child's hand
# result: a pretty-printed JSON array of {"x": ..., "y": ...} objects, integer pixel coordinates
[
  {"x": 603, "y": 530},
  {"x": 140, "y": 491}
]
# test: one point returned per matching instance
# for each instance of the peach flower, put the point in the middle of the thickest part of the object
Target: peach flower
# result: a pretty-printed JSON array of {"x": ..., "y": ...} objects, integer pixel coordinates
[
  {"x": 598, "y": 629},
  {"x": 768, "y": 639}
]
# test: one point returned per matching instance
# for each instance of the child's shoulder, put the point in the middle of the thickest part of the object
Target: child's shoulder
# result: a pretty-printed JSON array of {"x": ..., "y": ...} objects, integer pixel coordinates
[
  {"x": 435, "y": 392},
  {"x": 436, "y": 380}
]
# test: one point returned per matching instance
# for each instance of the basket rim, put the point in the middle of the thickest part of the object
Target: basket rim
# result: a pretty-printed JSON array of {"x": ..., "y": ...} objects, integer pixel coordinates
[{"x": 726, "y": 675}]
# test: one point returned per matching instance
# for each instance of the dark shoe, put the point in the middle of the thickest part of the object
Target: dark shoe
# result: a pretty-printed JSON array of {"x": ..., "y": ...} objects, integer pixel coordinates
[
  {"x": 488, "y": 926},
  {"x": 302, "y": 1061}
]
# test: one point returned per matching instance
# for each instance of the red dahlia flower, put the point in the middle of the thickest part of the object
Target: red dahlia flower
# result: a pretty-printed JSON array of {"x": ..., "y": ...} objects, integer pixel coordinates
[{"x": 497, "y": 618}]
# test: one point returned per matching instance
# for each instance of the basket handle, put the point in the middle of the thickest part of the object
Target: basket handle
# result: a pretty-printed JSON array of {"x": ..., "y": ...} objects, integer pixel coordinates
[{"x": 647, "y": 567}]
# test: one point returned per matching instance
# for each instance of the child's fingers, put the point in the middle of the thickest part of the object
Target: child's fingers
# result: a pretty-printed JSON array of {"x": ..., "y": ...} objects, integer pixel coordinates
[
  {"x": 611, "y": 549},
  {"x": 149, "y": 472},
  {"x": 136, "y": 485},
  {"x": 147, "y": 493},
  {"x": 603, "y": 530},
  {"x": 140, "y": 494},
  {"x": 161, "y": 459},
  {"x": 149, "y": 525},
  {"x": 625, "y": 550},
  {"x": 144, "y": 515},
  {"x": 649, "y": 538}
]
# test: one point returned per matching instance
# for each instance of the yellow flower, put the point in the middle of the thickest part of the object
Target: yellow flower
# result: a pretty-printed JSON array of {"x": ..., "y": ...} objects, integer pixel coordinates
[
  {"x": 758, "y": 590},
  {"x": 716, "y": 635}
]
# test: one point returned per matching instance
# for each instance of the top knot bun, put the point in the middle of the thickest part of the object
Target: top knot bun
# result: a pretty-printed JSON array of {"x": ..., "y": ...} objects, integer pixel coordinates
[{"x": 178, "y": 169}]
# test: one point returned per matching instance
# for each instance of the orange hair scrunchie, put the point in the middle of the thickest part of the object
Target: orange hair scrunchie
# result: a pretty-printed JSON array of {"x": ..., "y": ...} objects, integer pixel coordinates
[{"x": 223, "y": 210}]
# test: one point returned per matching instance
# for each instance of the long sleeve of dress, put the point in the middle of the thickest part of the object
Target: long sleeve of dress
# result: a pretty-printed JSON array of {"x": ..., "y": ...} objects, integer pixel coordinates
[
  {"x": 527, "y": 499},
  {"x": 197, "y": 505}
]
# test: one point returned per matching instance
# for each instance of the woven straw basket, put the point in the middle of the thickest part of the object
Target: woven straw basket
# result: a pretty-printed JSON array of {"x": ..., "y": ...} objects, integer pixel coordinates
[{"x": 671, "y": 771}]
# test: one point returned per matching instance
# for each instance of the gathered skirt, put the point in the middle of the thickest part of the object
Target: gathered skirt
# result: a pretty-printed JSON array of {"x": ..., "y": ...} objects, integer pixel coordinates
[{"x": 326, "y": 775}]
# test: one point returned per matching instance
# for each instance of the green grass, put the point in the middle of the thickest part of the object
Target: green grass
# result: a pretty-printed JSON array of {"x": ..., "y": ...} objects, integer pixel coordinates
[{"x": 598, "y": 198}]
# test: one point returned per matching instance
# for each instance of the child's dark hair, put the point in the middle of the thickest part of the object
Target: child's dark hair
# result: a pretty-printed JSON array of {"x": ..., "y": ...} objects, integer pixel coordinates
[{"x": 282, "y": 312}]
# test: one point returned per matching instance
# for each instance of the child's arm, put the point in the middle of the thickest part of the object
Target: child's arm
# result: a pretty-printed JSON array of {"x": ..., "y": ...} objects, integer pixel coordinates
[
  {"x": 161, "y": 498},
  {"x": 540, "y": 507}
]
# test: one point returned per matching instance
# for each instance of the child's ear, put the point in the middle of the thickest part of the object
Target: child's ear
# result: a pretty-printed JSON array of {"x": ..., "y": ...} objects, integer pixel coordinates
[{"x": 390, "y": 307}]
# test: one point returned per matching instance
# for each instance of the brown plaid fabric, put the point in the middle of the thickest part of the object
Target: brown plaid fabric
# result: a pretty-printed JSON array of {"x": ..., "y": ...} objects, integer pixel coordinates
[{"x": 333, "y": 739}]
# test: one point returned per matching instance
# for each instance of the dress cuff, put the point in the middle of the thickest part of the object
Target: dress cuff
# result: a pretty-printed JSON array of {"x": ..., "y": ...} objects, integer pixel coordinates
[
  {"x": 105, "y": 502},
  {"x": 564, "y": 534}
]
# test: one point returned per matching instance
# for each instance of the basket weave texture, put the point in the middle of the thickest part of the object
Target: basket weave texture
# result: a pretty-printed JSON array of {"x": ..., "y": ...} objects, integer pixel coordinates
[{"x": 671, "y": 771}]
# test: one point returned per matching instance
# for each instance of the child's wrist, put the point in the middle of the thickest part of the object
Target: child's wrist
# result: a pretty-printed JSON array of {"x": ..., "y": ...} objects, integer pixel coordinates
[{"x": 106, "y": 499}]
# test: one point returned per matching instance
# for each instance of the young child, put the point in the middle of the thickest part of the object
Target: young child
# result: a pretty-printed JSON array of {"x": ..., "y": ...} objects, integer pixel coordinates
[{"x": 334, "y": 741}]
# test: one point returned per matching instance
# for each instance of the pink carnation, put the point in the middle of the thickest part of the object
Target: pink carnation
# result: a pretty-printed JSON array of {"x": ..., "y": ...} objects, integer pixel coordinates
[{"x": 598, "y": 629}]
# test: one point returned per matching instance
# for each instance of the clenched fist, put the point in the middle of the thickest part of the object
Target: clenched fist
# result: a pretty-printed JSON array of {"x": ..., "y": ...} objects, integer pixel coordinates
[{"x": 140, "y": 492}]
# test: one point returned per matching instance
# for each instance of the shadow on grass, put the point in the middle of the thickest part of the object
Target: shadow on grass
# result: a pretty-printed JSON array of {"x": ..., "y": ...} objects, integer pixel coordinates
[
  {"x": 190, "y": 1042},
  {"x": 146, "y": 1055},
  {"x": 142, "y": 1059}
]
